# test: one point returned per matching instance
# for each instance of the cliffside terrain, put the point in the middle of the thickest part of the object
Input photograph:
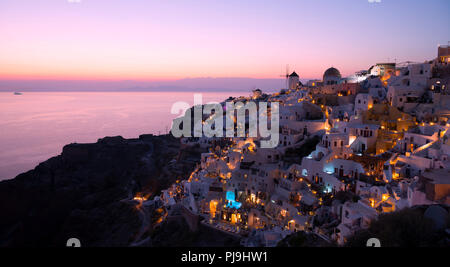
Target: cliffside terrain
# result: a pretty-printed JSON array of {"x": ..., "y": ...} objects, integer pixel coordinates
[{"x": 87, "y": 191}]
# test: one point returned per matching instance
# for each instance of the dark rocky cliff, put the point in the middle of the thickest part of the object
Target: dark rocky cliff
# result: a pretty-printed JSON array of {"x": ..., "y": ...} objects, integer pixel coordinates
[{"x": 85, "y": 192}]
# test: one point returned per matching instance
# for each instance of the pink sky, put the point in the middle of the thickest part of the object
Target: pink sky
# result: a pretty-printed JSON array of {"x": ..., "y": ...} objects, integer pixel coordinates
[{"x": 160, "y": 40}]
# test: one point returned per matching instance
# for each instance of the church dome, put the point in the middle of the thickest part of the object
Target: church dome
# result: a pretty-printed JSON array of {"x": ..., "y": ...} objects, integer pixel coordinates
[
  {"x": 332, "y": 72},
  {"x": 331, "y": 76}
]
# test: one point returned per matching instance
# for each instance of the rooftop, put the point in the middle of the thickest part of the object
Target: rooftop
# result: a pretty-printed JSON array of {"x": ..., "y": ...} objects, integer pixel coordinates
[{"x": 437, "y": 176}]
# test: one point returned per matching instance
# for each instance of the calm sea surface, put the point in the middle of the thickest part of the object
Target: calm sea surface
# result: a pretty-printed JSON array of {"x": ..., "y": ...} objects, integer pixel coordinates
[{"x": 36, "y": 126}]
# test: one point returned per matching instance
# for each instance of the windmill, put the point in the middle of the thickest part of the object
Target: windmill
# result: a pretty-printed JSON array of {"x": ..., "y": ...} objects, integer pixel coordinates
[{"x": 286, "y": 75}]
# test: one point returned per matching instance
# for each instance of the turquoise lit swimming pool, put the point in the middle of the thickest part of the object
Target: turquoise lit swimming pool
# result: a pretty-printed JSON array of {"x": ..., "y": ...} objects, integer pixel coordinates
[{"x": 231, "y": 198}]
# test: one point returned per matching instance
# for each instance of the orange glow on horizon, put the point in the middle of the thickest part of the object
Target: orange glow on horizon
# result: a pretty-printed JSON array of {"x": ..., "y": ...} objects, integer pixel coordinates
[
  {"x": 117, "y": 77},
  {"x": 104, "y": 75}
]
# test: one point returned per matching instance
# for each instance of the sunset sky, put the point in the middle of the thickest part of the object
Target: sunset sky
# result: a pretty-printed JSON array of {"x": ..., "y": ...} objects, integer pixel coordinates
[{"x": 175, "y": 39}]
